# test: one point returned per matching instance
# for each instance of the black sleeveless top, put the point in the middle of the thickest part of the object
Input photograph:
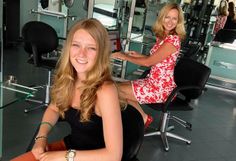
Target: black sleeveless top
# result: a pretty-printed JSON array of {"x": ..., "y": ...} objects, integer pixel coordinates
[
  {"x": 89, "y": 135},
  {"x": 84, "y": 135}
]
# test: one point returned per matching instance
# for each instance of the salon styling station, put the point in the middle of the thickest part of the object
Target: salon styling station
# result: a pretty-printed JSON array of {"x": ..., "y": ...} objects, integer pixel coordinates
[
  {"x": 221, "y": 59},
  {"x": 56, "y": 14}
]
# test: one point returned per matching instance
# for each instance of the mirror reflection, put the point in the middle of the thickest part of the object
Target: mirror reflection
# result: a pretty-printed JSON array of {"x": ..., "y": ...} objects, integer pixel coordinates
[{"x": 58, "y": 6}]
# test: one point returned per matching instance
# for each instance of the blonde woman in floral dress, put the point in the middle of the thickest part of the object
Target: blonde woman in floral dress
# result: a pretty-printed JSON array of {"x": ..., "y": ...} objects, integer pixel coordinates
[{"x": 159, "y": 83}]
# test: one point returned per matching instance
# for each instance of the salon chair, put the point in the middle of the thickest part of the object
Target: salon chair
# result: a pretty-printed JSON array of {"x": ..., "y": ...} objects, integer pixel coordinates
[
  {"x": 191, "y": 50},
  {"x": 40, "y": 39},
  {"x": 225, "y": 36},
  {"x": 133, "y": 133},
  {"x": 190, "y": 77}
]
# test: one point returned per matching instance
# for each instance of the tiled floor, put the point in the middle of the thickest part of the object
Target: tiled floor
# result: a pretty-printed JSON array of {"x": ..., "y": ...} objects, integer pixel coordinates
[{"x": 213, "y": 119}]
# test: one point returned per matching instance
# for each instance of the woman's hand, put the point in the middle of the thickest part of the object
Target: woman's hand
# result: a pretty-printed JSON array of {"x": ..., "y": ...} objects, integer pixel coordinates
[
  {"x": 39, "y": 148},
  {"x": 134, "y": 54},
  {"x": 53, "y": 156},
  {"x": 123, "y": 56},
  {"x": 118, "y": 55}
]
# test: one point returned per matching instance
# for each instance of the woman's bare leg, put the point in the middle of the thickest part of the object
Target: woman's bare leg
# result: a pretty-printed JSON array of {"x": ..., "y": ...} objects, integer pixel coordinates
[{"x": 126, "y": 93}]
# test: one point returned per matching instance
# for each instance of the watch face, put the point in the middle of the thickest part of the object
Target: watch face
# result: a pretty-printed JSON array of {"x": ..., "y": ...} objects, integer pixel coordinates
[{"x": 71, "y": 154}]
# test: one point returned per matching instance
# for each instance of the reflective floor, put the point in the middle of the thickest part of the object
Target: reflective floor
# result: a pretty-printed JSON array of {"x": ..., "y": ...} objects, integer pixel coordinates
[{"x": 213, "y": 118}]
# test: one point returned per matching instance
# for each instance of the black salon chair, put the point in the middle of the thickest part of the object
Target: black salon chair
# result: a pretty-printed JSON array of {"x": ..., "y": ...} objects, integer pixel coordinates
[
  {"x": 225, "y": 36},
  {"x": 191, "y": 50},
  {"x": 40, "y": 39},
  {"x": 133, "y": 134},
  {"x": 190, "y": 77}
]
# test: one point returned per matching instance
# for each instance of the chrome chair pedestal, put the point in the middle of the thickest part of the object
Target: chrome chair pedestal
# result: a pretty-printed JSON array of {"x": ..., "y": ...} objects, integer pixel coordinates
[{"x": 164, "y": 132}]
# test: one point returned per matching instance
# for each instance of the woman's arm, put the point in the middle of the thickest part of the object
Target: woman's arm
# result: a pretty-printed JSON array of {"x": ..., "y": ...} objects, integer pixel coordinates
[
  {"x": 165, "y": 50},
  {"x": 49, "y": 119},
  {"x": 107, "y": 106},
  {"x": 50, "y": 116},
  {"x": 121, "y": 55}
]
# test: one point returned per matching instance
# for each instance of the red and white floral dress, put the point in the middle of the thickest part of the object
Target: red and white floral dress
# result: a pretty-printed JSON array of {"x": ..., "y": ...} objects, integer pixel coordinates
[
  {"x": 159, "y": 83},
  {"x": 220, "y": 23}
]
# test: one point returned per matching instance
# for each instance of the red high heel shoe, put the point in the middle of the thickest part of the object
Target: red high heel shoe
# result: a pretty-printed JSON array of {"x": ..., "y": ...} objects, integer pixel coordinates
[{"x": 148, "y": 122}]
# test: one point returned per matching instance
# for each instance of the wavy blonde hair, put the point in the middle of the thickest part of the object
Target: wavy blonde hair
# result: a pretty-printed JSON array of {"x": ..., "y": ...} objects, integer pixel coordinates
[
  {"x": 223, "y": 10},
  {"x": 158, "y": 27},
  {"x": 66, "y": 76}
]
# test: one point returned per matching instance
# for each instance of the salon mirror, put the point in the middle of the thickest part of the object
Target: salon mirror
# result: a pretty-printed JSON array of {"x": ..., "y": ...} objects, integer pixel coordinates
[
  {"x": 58, "y": 6},
  {"x": 68, "y": 3}
]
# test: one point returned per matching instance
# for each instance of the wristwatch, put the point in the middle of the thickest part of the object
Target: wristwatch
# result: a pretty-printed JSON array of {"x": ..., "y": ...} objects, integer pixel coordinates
[{"x": 70, "y": 155}]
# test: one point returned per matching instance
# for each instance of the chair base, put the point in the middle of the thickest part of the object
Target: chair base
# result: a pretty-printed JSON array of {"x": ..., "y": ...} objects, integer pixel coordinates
[
  {"x": 164, "y": 139},
  {"x": 165, "y": 128},
  {"x": 182, "y": 122}
]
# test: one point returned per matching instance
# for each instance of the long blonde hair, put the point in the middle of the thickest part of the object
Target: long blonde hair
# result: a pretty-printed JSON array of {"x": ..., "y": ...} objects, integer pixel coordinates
[
  {"x": 223, "y": 8},
  {"x": 158, "y": 27},
  {"x": 66, "y": 76}
]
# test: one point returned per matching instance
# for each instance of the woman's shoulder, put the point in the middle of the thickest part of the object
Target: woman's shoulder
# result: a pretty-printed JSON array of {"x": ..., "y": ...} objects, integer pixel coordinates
[
  {"x": 108, "y": 83},
  {"x": 173, "y": 39},
  {"x": 106, "y": 87},
  {"x": 107, "y": 96}
]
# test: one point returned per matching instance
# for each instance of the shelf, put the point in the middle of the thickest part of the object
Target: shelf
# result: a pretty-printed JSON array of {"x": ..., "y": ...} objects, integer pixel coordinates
[{"x": 53, "y": 14}]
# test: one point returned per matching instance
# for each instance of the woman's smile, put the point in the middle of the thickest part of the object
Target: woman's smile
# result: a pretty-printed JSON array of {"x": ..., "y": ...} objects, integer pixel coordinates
[{"x": 81, "y": 61}]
